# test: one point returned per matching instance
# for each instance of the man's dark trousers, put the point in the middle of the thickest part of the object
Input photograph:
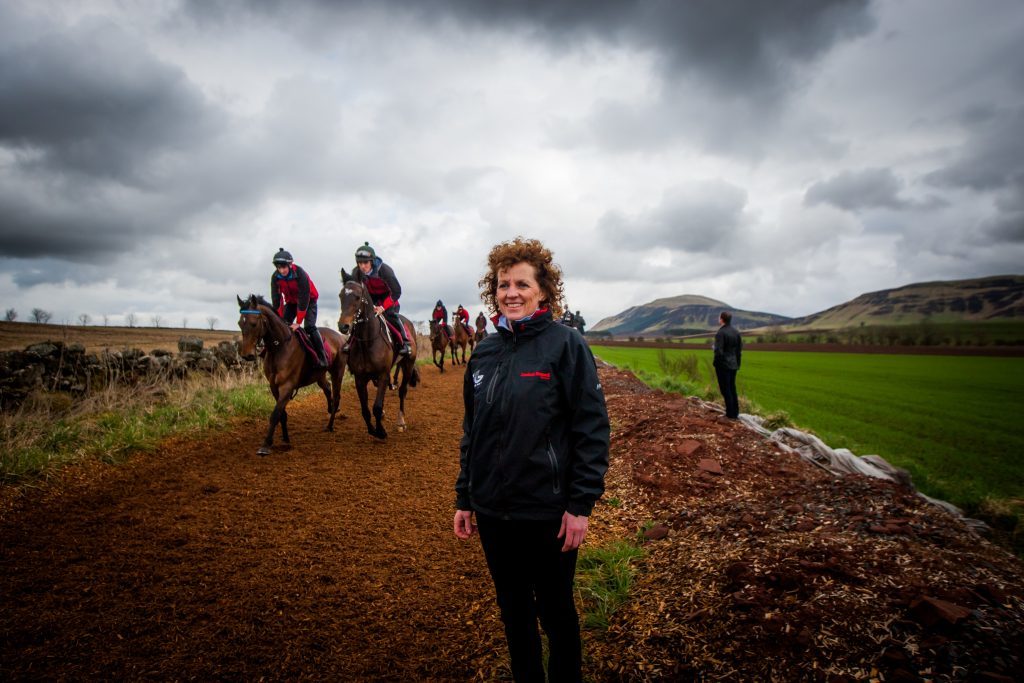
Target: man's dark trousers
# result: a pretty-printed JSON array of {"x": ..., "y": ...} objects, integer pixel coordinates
[{"x": 727, "y": 385}]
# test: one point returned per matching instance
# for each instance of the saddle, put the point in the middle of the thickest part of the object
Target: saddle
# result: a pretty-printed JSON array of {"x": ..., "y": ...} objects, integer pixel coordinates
[
  {"x": 396, "y": 335},
  {"x": 308, "y": 346}
]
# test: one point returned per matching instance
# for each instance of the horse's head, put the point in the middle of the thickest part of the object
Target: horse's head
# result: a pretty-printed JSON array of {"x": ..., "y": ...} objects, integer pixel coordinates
[
  {"x": 354, "y": 301},
  {"x": 250, "y": 321}
]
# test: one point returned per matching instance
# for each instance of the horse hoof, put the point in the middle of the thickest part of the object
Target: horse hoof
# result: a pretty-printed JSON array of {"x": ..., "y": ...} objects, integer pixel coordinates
[
  {"x": 262, "y": 451},
  {"x": 401, "y": 428}
]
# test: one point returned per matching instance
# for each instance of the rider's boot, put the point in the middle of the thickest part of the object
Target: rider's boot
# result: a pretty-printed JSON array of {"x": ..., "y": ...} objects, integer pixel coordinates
[{"x": 318, "y": 346}]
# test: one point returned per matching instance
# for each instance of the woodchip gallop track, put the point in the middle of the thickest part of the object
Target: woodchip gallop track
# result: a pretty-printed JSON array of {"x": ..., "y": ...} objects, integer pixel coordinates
[{"x": 332, "y": 561}]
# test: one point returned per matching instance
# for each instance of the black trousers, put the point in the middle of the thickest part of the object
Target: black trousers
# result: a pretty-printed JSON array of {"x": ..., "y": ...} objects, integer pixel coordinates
[
  {"x": 727, "y": 385},
  {"x": 392, "y": 315},
  {"x": 308, "y": 324},
  {"x": 533, "y": 580}
]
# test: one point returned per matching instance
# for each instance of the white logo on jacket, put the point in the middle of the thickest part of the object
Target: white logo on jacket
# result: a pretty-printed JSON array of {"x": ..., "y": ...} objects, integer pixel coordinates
[{"x": 478, "y": 378}]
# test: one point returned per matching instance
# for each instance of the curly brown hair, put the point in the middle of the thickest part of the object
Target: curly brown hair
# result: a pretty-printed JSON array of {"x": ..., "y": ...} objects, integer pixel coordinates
[{"x": 523, "y": 250}]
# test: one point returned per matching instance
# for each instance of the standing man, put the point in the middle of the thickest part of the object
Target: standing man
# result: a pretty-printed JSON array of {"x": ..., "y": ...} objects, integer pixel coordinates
[
  {"x": 728, "y": 348},
  {"x": 580, "y": 323}
]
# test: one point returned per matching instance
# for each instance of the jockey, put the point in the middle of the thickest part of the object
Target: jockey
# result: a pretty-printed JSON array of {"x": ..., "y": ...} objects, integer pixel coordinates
[
  {"x": 567, "y": 319},
  {"x": 481, "y": 322},
  {"x": 441, "y": 316},
  {"x": 383, "y": 288},
  {"x": 294, "y": 297},
  {"x": 463, "y": 315}
]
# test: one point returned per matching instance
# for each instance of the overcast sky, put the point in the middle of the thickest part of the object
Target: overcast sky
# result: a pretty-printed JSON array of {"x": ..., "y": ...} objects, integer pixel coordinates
[{"x": 780, "y": 156}]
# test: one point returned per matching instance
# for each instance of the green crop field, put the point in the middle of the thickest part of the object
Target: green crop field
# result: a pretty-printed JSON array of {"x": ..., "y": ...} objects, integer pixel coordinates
[{"x": 953, "y": 421}]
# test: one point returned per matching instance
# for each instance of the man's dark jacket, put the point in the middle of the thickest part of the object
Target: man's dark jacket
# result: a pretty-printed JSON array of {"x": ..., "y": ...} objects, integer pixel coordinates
[
  {"x": 381, "y": 284},
  {"x": 728, "y": 348},
  {"x": 535, "y": 433}
]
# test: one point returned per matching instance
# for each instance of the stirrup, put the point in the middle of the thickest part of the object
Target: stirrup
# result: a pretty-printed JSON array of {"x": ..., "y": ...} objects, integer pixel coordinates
[{"x": 405, "y": 350}]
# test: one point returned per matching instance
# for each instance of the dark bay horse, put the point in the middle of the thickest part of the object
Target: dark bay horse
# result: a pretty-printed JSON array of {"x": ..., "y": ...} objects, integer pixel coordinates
[
  {"x": 461, "y": 339},
  {"x": 481, "y": 329},
  {"x": 286, "y": 364},
  {"x": 371, "y": 353},
  {"x": 439, "y": 342}
]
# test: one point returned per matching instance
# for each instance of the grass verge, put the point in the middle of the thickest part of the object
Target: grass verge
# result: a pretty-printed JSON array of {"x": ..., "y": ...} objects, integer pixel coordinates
[
  {"x": 604, "y": 575},
  {"x": 49, "y": 431}
]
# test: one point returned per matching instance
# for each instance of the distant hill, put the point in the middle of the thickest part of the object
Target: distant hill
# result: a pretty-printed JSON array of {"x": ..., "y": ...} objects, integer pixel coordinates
[
  {"x": 678, "y": 315},
  {"x": 994, "y": 298}
]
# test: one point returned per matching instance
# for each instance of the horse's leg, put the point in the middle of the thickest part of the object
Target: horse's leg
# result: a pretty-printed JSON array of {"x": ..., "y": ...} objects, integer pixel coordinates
[
  {"x": 336, "y": 377},
  {"x": 403, "y": 389},
  {"x": 277, "y": 415},
  {"x": 325, "y": 386},
  {"x": 364, "y": 397},
  {"x": 378, "y": 406}
]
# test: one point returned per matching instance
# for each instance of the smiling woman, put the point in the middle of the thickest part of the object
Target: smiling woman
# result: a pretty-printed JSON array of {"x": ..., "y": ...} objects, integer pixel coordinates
[{"x": 533, "y": 456}]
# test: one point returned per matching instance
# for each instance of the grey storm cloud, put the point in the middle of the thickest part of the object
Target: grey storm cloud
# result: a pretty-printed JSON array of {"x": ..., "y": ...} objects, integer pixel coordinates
[
  {"x": 695, "y": 218},
  {"x": 991, "y": 158},
  {"x": 855, "y": 190},
  {"x": 729, "y": 45},
  {"x": 91, "y": 100}
]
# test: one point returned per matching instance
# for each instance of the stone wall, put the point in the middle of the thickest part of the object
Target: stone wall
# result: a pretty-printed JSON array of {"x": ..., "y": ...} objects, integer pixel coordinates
[{"x": 55, "y": 366}]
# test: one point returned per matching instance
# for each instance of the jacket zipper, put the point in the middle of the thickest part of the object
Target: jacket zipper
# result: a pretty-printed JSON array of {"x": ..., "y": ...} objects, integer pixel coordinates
[{"x": 556, "y": 484}]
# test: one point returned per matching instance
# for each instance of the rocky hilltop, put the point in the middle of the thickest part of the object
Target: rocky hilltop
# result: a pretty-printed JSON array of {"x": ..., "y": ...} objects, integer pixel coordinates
[
  {"x": 994, "y": 298},
  {"x": 686, "y": 314}
]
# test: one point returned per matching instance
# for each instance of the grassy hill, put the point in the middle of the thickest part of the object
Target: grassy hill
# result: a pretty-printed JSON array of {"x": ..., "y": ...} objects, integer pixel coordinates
[
  {"x": 987, "y": 299},
  {"x": 686, "y": 314}
]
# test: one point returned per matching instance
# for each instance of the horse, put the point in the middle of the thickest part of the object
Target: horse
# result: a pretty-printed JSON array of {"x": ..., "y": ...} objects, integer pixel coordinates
[
  {"x": 372, "y": 354},
  {"x": 286, "y": 365},
  {"x": 439, "y": 342},
  {"x": 460, "y": 338},
  {"x": 481, "y": 329}
]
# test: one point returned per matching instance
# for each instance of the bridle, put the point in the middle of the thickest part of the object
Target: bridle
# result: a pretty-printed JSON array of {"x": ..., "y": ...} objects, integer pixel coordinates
[{"x": 263, "y": 332}]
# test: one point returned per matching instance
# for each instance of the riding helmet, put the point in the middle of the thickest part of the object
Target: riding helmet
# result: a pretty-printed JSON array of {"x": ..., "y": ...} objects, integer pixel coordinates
[
  {"x": 438, "y": 304},
  {"x": 282, "y": 258},
  {"x": 365, "y": 253}
]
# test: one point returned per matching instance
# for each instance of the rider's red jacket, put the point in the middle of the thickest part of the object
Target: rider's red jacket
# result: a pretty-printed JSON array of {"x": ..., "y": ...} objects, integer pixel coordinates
[
  {"x": 294, "y": 288},
  {"x": 441, "y": 315},
  {"x": 464, "y": 315}
]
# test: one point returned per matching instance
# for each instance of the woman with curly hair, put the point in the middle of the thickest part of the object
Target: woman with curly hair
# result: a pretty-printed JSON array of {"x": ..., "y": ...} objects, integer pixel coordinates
[{"x": 533, "y": 456}]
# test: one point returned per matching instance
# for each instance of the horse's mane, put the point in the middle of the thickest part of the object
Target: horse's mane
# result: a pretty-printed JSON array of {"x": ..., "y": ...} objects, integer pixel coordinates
[{"x": 258, "y": 300}]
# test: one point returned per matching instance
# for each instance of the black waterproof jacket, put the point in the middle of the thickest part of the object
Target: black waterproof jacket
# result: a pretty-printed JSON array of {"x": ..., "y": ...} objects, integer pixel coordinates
[
  {"x": 728, "y": 348},
  {"x": 535, "y": 434}
]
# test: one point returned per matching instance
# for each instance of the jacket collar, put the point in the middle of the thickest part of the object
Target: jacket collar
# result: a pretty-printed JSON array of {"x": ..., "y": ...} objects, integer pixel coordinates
[{"x": 540, "y": 319}]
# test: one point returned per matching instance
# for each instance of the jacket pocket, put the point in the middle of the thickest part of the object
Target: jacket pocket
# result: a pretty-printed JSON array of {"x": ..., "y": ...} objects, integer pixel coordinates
[{"x": 556, "y": 484}]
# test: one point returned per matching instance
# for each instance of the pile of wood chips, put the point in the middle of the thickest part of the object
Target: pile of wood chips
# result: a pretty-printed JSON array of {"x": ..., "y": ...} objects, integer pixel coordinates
[{"x": 761, "y": 566}]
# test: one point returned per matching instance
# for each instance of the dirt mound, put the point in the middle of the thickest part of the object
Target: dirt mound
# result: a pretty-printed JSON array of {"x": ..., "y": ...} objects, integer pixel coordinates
[
  {"x": 766, "y": 567},
  {"x": 336, "y": 561}
]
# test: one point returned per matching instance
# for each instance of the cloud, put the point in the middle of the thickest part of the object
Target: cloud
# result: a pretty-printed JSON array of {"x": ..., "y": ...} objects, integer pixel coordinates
[
  {"x": 871, "y": 188},
  {"x": 697, "y": 218},
  {"x": 93, "y": 101}
]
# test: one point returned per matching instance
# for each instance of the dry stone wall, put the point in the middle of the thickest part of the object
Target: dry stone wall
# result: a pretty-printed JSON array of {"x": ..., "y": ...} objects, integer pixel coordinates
[{"x": 56, "y": 366}]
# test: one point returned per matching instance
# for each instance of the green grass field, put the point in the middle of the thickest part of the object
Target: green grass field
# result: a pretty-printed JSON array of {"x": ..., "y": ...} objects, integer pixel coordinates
[{"x": 953, "y": 421}]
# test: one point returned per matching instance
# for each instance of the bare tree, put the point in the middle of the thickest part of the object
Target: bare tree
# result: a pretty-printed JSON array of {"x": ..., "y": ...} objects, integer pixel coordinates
[
  {"x": 11, "y": 315},
  {"x": 105, "y": 319},
  {"x": 211, "y": 321},
  {"x": 184, "y": 322},
  {"x": 41, "y": 316},
  {"x": 155, "y": 319},
  {"x": 131, "y": 319},
  {"x": 84, "y": 319}
]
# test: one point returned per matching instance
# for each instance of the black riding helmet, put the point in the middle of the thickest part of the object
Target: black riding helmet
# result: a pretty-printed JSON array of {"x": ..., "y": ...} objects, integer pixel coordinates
[
  {"x": 438, "y": 304},
  {"x": 282, "y": 258},
  {"x": 365, "y": 253}
]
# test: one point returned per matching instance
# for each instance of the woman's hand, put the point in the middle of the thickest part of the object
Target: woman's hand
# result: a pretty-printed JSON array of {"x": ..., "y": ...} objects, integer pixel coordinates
[
  {"x": 463, "y": 524},
  {"x": 378, "y": 309},
  {"x": 574, "y": 529}
]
